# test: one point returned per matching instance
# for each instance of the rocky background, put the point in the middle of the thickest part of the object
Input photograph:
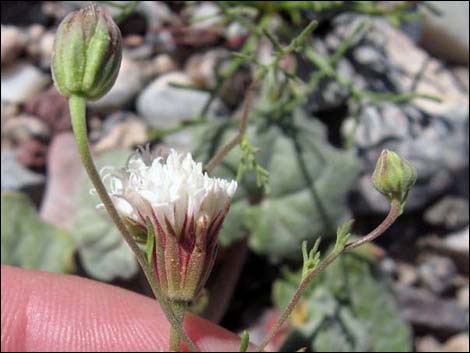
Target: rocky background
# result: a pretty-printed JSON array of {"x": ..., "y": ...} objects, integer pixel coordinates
[{"x": 367, "y": 79}]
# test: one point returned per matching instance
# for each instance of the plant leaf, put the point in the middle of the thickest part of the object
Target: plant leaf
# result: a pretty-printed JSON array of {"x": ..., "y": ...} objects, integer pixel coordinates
[{"x": 28, "y": 241}]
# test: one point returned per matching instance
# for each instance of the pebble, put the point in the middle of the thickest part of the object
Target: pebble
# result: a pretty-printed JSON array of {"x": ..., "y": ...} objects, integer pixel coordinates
[
  {"x": 22, "y": 127},
  {"x": 128, "y": 84},
  {"x": 457, "y": 343},
  {"x": 164, "y": 106},
  {"x": 22, "y": 81},
  {"x": 201, "y": 68},
  {"x": 205, "y": 15},
  {"x": 450, "y": 212},
  {"x": 438, "y": 273},
  {"x": 425, "y": 311},
  {"x": 12, "y": 44},
  {"x": 15, "y": 176},
  {"x": 446, "y": 35},
  {"x": 126, "y": 130}
]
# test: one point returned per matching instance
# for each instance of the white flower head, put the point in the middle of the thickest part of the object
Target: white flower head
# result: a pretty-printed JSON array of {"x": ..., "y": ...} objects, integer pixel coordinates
[
  {"x": 172, "y": 188},
  {"x": 186, "y": 208}
]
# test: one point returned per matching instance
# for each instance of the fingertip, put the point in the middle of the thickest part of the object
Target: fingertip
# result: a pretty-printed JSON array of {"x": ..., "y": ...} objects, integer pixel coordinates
[{"x": 46, "y": 311}]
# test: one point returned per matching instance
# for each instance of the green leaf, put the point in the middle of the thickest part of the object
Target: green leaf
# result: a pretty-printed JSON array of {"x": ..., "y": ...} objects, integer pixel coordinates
[
  {"x": 150, "y": 246},
  {"x": 310, "y": 259},
  {"x": 350, "y": 309},
  {"x": 245, "y": 340},
  {"x": 29, "y": 242},
  {"x": 308, "y": 178},
  {"x": 102, "y": 250},
  {"x": 342, "y": 236}
]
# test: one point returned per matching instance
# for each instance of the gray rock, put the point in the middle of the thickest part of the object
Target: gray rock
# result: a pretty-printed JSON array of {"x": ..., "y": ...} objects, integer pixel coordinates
[
  {"x": 122, "y": 130},
  {"x": 21, "y": 81},
  {"x": 23, "y": 127},
  {"x": 164, "y": 106},
  {"x": 407, "y": 274},
  {"x": 438, "y": 274},
  {"x": 426, "y": 311},
  {"x": 450, "y": 212},
  {"x": 457, "y": 245},
  {"x": 13, "y": 42},
  {"x": 156, "y": 13},
  {"x": 446, "y": 35},
  {"x": 463, "y": 297},
  {"x": 460, "y": 342},
  {"x": 206, "y": 15},
  {"x": 16, "y": 177},
  {"x": 128, "y": 84},
  {"x": 432, "y": 136},
  {"x": 201, "y": 68}
]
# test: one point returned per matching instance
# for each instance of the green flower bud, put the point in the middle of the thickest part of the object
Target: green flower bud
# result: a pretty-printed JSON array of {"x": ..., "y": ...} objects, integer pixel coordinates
[
  {"x": 87, "y": 53},
  {"x": 394, "y": 176}
]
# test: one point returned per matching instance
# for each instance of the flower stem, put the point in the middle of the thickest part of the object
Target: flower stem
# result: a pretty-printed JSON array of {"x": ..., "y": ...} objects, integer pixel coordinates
[
  {"x": 77, "y": 106},
  {"x": 243, "y": 125},
  {"x": 395, "y": 211},
  {"x": 179, "y": 309}
]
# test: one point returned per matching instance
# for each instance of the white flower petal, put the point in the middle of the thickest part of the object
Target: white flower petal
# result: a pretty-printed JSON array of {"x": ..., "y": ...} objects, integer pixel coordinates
[{"x": 174, "y": 188}]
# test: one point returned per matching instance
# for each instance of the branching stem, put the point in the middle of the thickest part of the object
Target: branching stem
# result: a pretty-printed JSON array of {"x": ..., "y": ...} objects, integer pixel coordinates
[{"x": 395, "y": 211}]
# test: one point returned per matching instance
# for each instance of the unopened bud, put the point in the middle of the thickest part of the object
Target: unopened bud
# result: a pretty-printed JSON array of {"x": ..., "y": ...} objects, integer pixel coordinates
[
  {"x": 87, "y": 53},
  {"x": 394, "y": 176}
]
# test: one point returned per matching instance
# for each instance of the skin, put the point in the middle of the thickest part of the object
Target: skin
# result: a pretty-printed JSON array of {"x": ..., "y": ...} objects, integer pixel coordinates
[{"x": 53, "y": 312}]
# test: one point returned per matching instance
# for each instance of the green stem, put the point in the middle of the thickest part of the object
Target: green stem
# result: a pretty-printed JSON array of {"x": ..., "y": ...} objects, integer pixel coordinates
[
  {"x": 77, "y": 106},
  {"x": 395, "y": 211},
  {"x": 179, "y": 309}
]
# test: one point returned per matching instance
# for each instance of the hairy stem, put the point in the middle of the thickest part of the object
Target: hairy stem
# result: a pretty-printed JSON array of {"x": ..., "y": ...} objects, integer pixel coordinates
[
  {"x": 179, "y": 309},
  {"x": 395, "y": 211},
  {"x": 77, "y": 106}
]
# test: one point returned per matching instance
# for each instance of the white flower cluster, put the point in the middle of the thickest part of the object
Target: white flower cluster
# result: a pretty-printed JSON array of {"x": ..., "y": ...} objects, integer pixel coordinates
[{"x": 169, "y": 190}]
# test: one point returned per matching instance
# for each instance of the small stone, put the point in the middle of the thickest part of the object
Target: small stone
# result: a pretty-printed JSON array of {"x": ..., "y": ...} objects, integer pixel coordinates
[
  {"x": 129, "y": 82},
  {"x": 133, "y": 40},
  {"x": 160, "y": 65},
  {"x": 36, "y": 31},
  {"x": 427, "y": 344},
  {"x": 201, "y": 67},
  {"x": 235, "y": 34},
  {"x": 127, "y": 131},
  {"x": 23, "y": 127},
  {"x": 164, "y": 106},
  {"x": 15, "y": 176},
  {"x": 457, "y": 245},
  {"x": 156, "y": 13},
  {"x": 425, "y": 311},
  {"x": 450, "y": 212},
  {"x": 8, "y": 111},
  {"x": 463, "y": 297},
  {"x": 438, "y": 273},
  {"x": 22, "y": 81},
  {"x": 457, "y": 343},
  {"x": 12, "y": 44},
  {"x": 446, "y": 34},
  {"x": 206, "y": 15},
  {"x": 32, "y": 153},
  {"x": 407, "y": 274},
  {"x": 462, "y": 75},
  {"x": 46, "y": 45},
  {"x": 52, "y": 108}
]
